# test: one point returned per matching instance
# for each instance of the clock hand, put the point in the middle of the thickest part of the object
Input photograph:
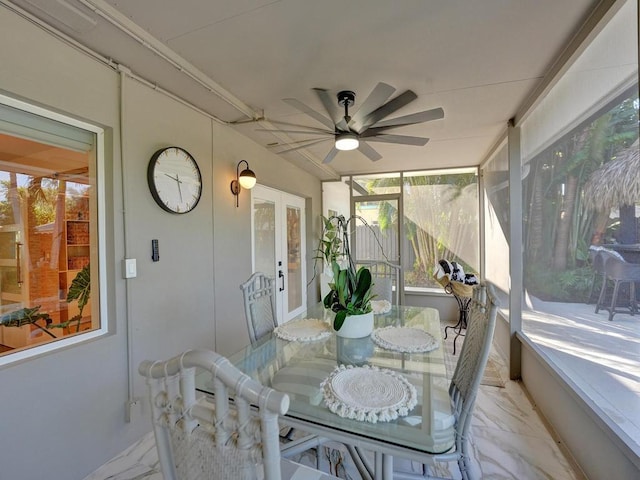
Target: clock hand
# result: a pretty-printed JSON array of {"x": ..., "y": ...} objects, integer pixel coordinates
[
  {"x": 179, "y": 189},
  {"x": 172, "y": 178}
]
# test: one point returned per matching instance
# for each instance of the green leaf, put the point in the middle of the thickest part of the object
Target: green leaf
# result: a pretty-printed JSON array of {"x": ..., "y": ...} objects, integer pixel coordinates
[
  {"x": 363, "y": 285},
  {"x": 342, "y": 287},
  {"x": 24, "y": 316},
  {"x": 339, "y": 319},
  {"x": 80, "y": 288}
]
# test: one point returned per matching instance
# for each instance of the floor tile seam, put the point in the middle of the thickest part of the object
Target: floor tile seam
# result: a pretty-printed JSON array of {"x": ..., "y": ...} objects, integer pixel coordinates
[
  {"x": 565, "y": 455},
  {"x": 542, "y": 435}
]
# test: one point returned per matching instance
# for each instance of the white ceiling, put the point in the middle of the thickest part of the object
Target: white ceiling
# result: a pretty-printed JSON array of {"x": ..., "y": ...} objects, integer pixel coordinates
[{"x": 478, "y": 60}]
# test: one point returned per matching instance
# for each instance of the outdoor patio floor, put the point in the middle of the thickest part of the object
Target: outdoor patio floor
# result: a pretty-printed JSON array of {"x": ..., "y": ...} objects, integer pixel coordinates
[{"x": 601, "y": 357}]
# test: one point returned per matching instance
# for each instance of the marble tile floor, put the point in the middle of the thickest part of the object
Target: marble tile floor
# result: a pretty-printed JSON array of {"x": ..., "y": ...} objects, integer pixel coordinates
[{"x": 508, "y": 441}]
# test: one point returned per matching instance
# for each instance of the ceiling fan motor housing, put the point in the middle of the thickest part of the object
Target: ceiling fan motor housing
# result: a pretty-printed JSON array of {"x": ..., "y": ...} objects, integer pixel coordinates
[{"x": 346, "y": 98}]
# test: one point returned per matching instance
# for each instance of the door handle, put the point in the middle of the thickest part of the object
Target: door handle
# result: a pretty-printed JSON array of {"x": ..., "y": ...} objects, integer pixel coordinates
[
  {"x": 281, "y": 276},
  {"x": 18, "y": 263}
]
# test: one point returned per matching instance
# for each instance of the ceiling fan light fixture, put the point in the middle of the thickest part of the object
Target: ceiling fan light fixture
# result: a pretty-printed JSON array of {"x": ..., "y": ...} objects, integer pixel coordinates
[{"x": 347, "y": 141}]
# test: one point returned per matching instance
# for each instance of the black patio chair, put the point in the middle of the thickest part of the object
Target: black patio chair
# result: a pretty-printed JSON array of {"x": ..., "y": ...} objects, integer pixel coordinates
[{"x": 620, "y": 272}]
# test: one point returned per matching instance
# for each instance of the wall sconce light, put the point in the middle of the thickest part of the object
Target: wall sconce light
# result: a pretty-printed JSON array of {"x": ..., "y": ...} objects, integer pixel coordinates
[{"x": 244, "y": 179}]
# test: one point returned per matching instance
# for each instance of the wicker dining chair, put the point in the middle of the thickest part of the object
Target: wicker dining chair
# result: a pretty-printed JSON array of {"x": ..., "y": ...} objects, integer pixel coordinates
[
  {"x": 386, "y": 280},
  {"x": 465, "y": 382},
  {"x": 232, "y": 436},
  {"x": 259, "y": 295}
]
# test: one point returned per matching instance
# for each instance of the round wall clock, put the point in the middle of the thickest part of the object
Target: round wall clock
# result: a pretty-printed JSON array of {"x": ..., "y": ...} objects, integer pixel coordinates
[{"x": 174, "y": 180}]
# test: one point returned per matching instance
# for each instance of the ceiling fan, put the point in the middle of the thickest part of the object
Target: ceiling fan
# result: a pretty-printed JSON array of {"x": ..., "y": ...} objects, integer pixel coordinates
[{"x": 366, "y": 125}]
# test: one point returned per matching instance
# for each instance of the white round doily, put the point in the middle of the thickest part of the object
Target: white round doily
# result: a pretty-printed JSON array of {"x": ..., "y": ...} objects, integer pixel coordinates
[
  {"x": 404, "y": 339},
  {"x": 380, "y": 306},
  {"x": 304, "y": 330},
  {"x": 368, "y": 393}
]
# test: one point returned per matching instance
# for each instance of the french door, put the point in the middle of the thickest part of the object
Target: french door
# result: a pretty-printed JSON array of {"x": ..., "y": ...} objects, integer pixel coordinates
[
  {"x": 372, "y": 242},
  {"x": 278, "y": 235},
  {"x": 12, "y": 267}
]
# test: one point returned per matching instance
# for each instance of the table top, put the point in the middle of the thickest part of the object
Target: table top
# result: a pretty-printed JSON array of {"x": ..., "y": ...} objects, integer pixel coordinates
[{"x": 298, "y": 368}]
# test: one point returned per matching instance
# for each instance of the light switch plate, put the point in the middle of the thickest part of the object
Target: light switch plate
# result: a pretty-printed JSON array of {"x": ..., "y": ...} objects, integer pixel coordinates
[{"x": 129, "y": 268}]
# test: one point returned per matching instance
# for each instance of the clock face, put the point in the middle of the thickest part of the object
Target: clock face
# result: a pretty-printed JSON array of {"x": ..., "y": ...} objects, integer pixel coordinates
[{"x": 174, "y": 180}]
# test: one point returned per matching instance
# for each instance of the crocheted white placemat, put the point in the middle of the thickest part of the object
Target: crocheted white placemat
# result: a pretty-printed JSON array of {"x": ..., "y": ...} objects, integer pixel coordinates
[
  {"x": 304, "y": 330},
  {"x": 404, "y": 339},
  {"x": 380, "y": 306},
  {"x": 368, "y": 393}
]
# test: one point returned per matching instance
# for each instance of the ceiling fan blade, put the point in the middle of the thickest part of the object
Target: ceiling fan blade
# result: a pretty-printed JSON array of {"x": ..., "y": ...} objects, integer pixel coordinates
[
  {"x": 377, "y": 97},
  {"x": 305, "y": 132},
  {"x": 297, "y": 125},
  {"x": 369, "y": 152},
  {"x": 329, "y": 103},
  {"x": 388, "y": 108},
  {"x": 331, "y": 155},
  {"x": 401, "y": 139},
  {"x": 307, "y": 143},
  {"x": 342, "y": 125},
  {"x": 420, "y": 117},
  {"x": 310, "y": 111},
  {"x": 304, "y": 142}
]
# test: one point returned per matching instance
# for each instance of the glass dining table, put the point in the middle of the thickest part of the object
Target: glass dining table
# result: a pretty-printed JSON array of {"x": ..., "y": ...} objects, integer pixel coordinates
[{"x": 299, "y": 367}]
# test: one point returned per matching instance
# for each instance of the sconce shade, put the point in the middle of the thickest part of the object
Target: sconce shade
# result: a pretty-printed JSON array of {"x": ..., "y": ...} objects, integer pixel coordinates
[
  {"x": 347, "y": 141},
  {"x": 247, "y": 179}
]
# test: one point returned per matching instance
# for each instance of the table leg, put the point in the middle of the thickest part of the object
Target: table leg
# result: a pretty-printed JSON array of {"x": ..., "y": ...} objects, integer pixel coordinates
[{"x": 463, "y": 307}]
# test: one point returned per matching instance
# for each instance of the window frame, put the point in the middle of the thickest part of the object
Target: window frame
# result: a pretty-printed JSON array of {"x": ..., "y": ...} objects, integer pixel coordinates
[{"x": 83, "y": 337}]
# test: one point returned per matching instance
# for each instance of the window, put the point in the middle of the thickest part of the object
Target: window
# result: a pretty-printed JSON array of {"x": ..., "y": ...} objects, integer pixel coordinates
[
  {"x": 440, "y": 222},
  {"x": 49, "y": 268},
  {"x": 376, "y": 184},
  {"x": 579, "y": 194},
  {"x": 415, "y": 218},
  {"x": 496, "y": 223}
]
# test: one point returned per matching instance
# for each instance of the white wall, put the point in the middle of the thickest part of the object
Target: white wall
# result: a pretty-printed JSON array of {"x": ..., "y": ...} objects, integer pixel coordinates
[
  {"x": 335, "y": 196},
  {"x": 232, "y": 227},
  {"x": 63, "y": 414}
]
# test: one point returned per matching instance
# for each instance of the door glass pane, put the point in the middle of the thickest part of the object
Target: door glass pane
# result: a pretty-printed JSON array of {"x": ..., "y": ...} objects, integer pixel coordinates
[
  {"x": 264, "y": 226},
  {"x": 10, "y": 286},
  {"x": 378, "y": 238},
  {"x": 294, "y": 259}
]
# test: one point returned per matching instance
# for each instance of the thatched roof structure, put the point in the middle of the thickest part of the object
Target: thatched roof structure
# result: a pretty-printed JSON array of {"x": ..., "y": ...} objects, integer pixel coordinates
[{"x": 615, "y": 183}]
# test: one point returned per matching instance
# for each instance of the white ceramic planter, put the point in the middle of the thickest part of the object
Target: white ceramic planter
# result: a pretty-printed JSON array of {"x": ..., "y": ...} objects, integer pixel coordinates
[
  {"x": 354, "y": 351},
  {"x": 356, "y": 326}
]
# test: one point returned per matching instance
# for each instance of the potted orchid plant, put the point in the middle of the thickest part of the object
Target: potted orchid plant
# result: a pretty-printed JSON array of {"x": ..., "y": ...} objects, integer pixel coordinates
[{"x": 350, "y": 290}]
